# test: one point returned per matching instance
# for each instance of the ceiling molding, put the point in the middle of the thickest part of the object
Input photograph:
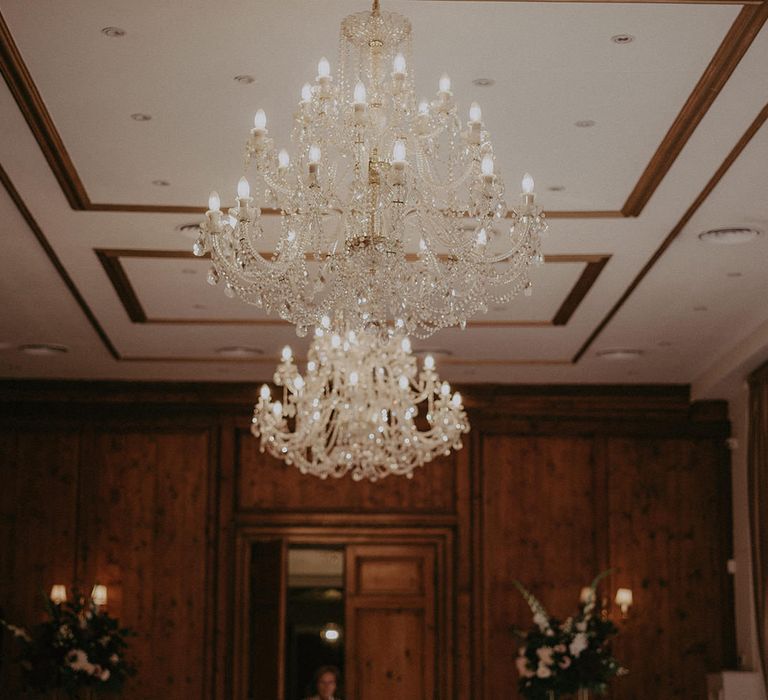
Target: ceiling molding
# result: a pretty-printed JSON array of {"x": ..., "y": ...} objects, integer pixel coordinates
[
  {"x": 56, "y": 262},
  {"x": 731, "y": 50},
  {"x": 739, "y": 38},
  {"x": 111, "y": 262},
  {"x": 741, "y": 144}
]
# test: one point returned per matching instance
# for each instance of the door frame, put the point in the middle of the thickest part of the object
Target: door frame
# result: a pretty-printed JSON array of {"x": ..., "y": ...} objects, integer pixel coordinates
[{"x": 441, "y": 538}]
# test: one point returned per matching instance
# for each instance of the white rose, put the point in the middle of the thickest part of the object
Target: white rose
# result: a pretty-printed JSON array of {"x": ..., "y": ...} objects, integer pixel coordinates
[{"x": 579, "y": 644}]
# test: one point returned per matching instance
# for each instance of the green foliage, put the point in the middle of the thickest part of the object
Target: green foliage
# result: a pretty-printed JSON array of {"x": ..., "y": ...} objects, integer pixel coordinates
[{"x": 78, "y": 647}]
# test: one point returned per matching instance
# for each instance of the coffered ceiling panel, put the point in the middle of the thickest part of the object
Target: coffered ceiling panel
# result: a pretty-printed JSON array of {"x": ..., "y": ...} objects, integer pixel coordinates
[{"x": 100, "y": 258}]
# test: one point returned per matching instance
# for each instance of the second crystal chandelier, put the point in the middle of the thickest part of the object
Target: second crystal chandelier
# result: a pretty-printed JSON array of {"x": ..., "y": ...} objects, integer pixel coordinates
[{"x": 391, "y": 211}]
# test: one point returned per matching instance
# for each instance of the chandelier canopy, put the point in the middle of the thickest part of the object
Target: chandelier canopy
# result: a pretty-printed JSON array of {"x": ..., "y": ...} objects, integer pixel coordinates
[
  {"x": 392, "y": 213},
  {"x": 362, "y": 406}
]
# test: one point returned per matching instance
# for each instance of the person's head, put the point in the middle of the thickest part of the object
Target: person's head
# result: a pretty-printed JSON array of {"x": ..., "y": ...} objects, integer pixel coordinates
[{"x": 326, "y": 681}]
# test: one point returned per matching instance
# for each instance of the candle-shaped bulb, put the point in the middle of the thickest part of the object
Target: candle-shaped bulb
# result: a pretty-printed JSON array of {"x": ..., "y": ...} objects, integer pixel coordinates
[
  {"x": 306, "y": 92},
  {"x": 287, "y": 353},
  {"x": 360, "y": 97},
  {"x": 482, "y": 237},
  {"x": 277, "y": 409},
  {"x": 398, "y": 151},
  {"x": 456, "y": 399},
  {"x": 486, "y": 165},
  {"x": 243, "y": 188},
  {"x": 260, "y": 120},
  {"x": 283, "y": 159},
  {"x": 398, "y": 65},
  {"x": 335, "y": 341},
  {"x": 429, "y": 362},
  {"x": 264, "y": 392},
  {"x": 423, "y": 107},
  {"x": 445, "y": 388},
  {"x": 323, "y": 68},
  {"x": 314, "y": 154},
  {"x": 214, "y": 201},
  {"x": 353, "y": 378},
  {"x": 475, "y": 113},
  {"x": 325, "y": 321},
  {"x": 58, "y": 593},
  {"x": 527, "y": 184},
  {"x": 403, "y": 382},
  {"x": 586, "y": 594},
  {"x": 405, "y": 344},
  {"x": 99, "y": 594},
  {"x": 445, "y": 83},
  {"x": 298, "y": 382}
]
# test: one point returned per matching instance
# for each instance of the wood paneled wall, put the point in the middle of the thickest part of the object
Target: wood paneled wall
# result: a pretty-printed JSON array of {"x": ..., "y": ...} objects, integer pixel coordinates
[{"x": 146, "y": 487}]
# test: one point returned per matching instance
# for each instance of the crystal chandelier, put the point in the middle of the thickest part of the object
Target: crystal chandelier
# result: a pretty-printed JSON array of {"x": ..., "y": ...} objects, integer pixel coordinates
[
  {"x": 391, "y": 211},
  {"x": 356, "y": 409}
]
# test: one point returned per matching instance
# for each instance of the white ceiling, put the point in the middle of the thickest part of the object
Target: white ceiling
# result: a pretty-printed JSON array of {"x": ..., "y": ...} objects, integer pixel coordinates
[{"x": 553, "y": 63}]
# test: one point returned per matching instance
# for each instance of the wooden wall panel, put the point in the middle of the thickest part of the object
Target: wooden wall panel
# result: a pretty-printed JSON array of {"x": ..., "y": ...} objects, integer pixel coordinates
[
  {"x": 144, "y": 520},
  {"x": 539, "y": 526},
  {"x": 38, "y": 523},
  {"x": 668, "y": 504},
  {"x": 266, "y": 484}
]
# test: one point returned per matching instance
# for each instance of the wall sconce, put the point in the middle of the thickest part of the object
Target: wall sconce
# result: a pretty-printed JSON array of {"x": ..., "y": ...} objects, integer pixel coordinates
[
  {"x": 624, "y": 601},
  {"x": 99, "y": 595},
  {"x": 58, "y": 593}
]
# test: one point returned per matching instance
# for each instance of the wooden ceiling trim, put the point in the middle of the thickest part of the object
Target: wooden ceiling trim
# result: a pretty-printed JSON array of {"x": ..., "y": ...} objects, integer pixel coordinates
[
  {"x": 733, "y": 47},
  {"x": 754, "y": 127},
  {"x": 56, "y": 262},
  {"x": 110, "y": 260},
  {"x": 737, "y": 41}
]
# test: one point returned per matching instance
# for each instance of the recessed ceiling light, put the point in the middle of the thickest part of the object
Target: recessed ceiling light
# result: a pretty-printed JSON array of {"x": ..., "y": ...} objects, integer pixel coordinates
[
  {"x": 161, "y": 183},
  {"x": 244, "y": 79},
  {"x": 113, "y": 32},
  {"x": 729, "y": 236},
  {"x": 141, "y": 117},
  {"x": 620, "y": 354},
  {"x": 585, "y": 123},
  {"x": 556, "y": 188},
  {"x": 239, "y": 351},
  {"x": 483, "y": 82},
  {"x": 622, "y": 38},
  {"x": 43, "y": 349},
  {"x": 735, "y": 274}
]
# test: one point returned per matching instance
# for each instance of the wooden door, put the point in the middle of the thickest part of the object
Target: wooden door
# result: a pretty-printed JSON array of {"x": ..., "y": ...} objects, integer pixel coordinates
[
  {"x": 390, "y": 622},
  {"x": 265, "y": 631}
]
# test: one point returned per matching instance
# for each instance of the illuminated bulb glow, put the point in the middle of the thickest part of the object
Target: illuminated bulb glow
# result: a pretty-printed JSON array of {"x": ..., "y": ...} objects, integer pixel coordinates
[
  {"x": 456, "y": 399},
  {"x": 298, "y": 382},
  {"x": 283, "y": 159},
  {"x": 445, "y": 388},
  {"x": 287, "y": 353},
  {"x": 429, "y": 362},
  {"x": 360, "y": 97},
  {"x": 323, "y": 68},
  {"x": 335, "y": 341},
  {"x": 398, "y": 151},
  {"x": 58, "y": 594},
  {"x": 264, "y": 392},
  {"x": 482, "y": 237},
  {"x": 325, "y": 322},
  {"x": 486, "y": 165},
  {"x": 445, "y": 83},
  {"x": 353, "y": 378},
  {"x": 260, "y": 120},
  {"x": 99, "y": 594},
  {"x": 475, "y": 113},
  {"x": 403, "y": 382},
  {"x": 398, "y": 65},
  {"x": 424, "y": 107},
  {"x": 314, "y": 154},
  {"x": 405, "y": 344},
  {"x": 214, "y": 201},
  {"x": 243, "y": 188},
  {"x": 528, "y": 184},
  {"x": 291, "y": 236},
  {"x": 277, "y": 409},
  {"x": 306, "y": 92}
]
